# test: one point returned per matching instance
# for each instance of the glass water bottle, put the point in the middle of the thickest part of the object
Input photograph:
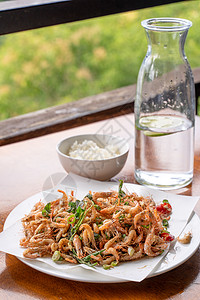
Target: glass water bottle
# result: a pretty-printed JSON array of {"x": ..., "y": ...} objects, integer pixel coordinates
[{"x": 165, "y": 108}]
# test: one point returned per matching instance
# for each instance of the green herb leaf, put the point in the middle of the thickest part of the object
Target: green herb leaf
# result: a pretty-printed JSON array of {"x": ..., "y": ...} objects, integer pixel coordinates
[
  {"x": 121, "y": 193},
  {"x": 106, "y": 267},
  {"x": 114, "y": 263},
  {"x": 97, "y": 207},
  {"x": 79, "y": 203},
  {"x": 48, "y": 207},
  {"x": 46, "y": 210},
  {"x": 45, "y": 213},
  {"x": 73, "y": 219},
  {"x": 165, "y": 223},
  {"x": 89, "y": 196},
  {"x": 72, "y": 207},
  {"x": 121, "y": 218},
  {"x": 145, "y": 226},
  {"x": 96, "y": 236},
  {"x": 79, "y": 222},
  {"x": 107, "y": 237},
  {"x": 165, "y": 201},
  {"x": 165, "y": 231},
  {"x": 79, "y": 210},
  {"x": 86, "y": 260}
]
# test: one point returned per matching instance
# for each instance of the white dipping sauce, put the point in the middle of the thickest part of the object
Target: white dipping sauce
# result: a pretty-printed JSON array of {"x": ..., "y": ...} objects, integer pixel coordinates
[{"x": 91, "y": 151}]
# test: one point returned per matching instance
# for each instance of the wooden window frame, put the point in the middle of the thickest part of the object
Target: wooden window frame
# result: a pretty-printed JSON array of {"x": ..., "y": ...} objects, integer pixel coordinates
[{"x": 19, "y": 15}]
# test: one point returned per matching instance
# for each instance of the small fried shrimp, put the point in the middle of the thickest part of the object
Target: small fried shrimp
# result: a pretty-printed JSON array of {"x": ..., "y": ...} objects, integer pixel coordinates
[
  {"x": 96, "y": 257},
  {"x": 109, "y": 226},
  {"x": 64, "y": 245},
  {"x": 111, "y": 242},
  {"x": 134, "y": 256},
  {"x": 62, "y": 232},
  {"x": 140, "y": 236},
  {"x": 148, "y": 244},
  {"x": 112, "y": 251},
  {"x": 108, "y": 260},
  {"x": 58, "y": 225},
  {"x": 30, "y": 254},
  {"x": 106, "y": 225},
  {"x": 131, "y": 237},
  {"x": 95, "y": 228},
  {"x": 85, "y": 238},
  {"x": 132, "y": 210},
  {"x": 64, "y": 198},
  {"x": 116, "y": 215},
  {"x": 43, "y": 242},
  {"x": 68, "y": 258},
  {"x": 108, "y": 210},
  {"x": 35, "y": 252},
  {"x": 141, "y": 217},
  {"x": 41, "y": 227},
  {"x": 78, "y": 246},
  {"x": 38, "y": 215},
  {"x": 93, "y": 215},
  {"x": 104, "y": 195},
  {"x": 185, "y": 239},
  {"x": 121, "y": 229},
  {"x": 90, "y": 233},
  {"x": 54, "y": 247}
]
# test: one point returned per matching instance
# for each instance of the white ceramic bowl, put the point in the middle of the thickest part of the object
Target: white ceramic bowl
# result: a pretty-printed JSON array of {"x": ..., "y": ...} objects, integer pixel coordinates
[{"x": 103, "y": 169}]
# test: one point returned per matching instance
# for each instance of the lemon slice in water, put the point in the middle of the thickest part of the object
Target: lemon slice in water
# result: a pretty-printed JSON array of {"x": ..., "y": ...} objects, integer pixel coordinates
[{"x": 160, "y": 125}]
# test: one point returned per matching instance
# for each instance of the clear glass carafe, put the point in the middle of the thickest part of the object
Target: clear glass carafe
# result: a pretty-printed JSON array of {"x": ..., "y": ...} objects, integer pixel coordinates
[{"x": 165, "y": 108}]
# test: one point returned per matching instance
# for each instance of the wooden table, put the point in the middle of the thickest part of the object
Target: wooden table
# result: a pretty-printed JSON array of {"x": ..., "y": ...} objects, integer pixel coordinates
[{"x": 30, "y": 166}]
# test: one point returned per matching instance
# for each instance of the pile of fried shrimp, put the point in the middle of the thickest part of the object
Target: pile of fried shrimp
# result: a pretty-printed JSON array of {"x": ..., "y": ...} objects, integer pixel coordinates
[{"x": 104, "y": 228}]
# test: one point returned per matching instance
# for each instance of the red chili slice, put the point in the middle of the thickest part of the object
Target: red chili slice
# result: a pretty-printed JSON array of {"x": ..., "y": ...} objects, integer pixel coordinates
[
  {"x": 167, "y": 236},
  {"x": 164, "y": 209}
]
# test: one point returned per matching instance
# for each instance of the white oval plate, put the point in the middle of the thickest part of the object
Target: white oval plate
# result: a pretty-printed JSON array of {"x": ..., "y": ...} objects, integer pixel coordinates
[{"x": 177, "y": 255}]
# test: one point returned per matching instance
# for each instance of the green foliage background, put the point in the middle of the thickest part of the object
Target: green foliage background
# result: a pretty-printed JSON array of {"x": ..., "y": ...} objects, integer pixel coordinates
[{"x": 63, "y": 63}]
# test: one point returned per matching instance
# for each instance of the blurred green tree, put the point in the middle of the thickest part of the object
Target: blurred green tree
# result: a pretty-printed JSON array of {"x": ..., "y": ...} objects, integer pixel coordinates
[{"x": 63, "y": 63}]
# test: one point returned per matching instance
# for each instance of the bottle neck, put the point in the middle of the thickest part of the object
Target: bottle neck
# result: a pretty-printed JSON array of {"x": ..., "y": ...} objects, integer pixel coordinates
[{"x": 166, "y": 43}]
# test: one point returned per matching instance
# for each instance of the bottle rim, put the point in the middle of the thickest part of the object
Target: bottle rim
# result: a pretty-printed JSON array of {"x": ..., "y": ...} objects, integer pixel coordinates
[{"x": 166, "y": 24}]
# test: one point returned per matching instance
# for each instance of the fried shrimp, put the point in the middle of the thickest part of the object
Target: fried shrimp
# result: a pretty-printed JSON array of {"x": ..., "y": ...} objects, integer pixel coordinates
[
  {"x": 111, "y": 242},
  {"x": 134, "y": 255},
  {"x": 132, "y": 210},
  {"x": 90, "y": 234},
  {"x": 104, "y": 228},
  {"x": 113, "y": 252},
  {"x": 78, "y": 246},
  {"x": 131, "y": 237},
  {"x": 148, "y": 248},
  {"x": 103, "y": 195}
]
